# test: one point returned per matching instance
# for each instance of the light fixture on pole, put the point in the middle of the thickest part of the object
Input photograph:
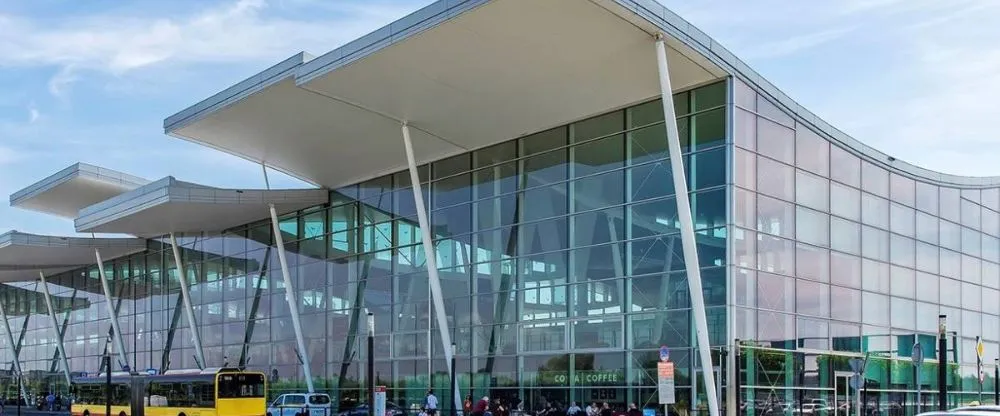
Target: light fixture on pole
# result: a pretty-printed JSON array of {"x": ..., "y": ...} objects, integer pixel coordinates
[{"x": 942, "y": 362}]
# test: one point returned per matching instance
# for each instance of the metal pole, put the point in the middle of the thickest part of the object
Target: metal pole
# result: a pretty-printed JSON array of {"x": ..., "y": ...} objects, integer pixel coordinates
[
  {"x": 20, "y": 388},
  {"x": 371, "y": 362},
  {"x": 427, "y": 241},
  {"x": 454, "y": 382},
  {"x": 107, "y": 372},
  {"x": 942, "y": 362},
  {"x": 111, "y": 310},
  {"x": 996, "y": 381},
  {"x": 736, "y": 376},
  {"x": 55, "y": 327},
  {"x": 293, "y": 305},
  {"x": 188, "y": 307},
  {"x": 687, "y": 228}
]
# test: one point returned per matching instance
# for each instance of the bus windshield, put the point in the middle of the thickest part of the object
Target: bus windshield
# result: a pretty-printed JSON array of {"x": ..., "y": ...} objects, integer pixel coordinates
[{"x": 240, "y": 385}]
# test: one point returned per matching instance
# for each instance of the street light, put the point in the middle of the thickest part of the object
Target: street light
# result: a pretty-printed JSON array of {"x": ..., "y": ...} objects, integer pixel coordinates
[
  {"x": 942, "y": 362},
  {"x": 371, "y": 363},
  {"x": 454, "y": 384},
  {"x": 996, "y": 381}
]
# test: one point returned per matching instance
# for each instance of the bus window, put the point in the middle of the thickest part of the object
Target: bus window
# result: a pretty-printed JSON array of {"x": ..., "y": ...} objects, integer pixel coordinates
[
  {"x": 319, "y": 399},
  {"x": 239, "y": 386},
  {"x": 182, "y": 394}
]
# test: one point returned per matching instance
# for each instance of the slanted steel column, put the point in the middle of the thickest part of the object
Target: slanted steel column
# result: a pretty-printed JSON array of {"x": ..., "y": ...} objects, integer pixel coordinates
[
  {"x": 55, "y": 327},
  {"x": 683, "y": 200},
  {"x": 13, "y": 348},
  {"x": 293, "y": 305},
  {"x": 432, "y": 272},
  {"x": 111, "y": 311},
  {"x": 188, "y": 307}
]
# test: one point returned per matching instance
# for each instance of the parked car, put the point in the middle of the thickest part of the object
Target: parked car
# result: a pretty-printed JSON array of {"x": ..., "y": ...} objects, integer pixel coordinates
[
  {"x": 391, "y": 409},
  {"x": 301, "y": 404}
]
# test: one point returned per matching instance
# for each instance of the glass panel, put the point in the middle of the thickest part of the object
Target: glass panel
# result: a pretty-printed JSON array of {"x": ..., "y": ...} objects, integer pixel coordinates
[
  {"x": 927, "y": 197},
  {"x": 902, "y": 190},
  {"x": 812, "y": 152},
  {"x": 845, "y": 269},
  {"x": 845, "y": 201},
  {"x": 812, "y": 298},
  {"x": 775, "y": 217},
  {"x": 927, "y": 228},
  {"x": 950, "y": 202},
  {"x": 970, "y": 214},
  {"x": 845, "y": 167},
  {"x": 902, "y": 219},
  {"x": 874, "y": 211},
  {"x": 874, "y": 243},
  {"x": 775, "y": 292},
  {"x": 874, "y": 179},
  {"x": 848, "y": 304},
  {"x": 745, "y": 129},
  {"x": 600, "y": 126},
  {"x": 775, "y": 179},
  {"x": 775, "y": 141},
  {"x": 708, "y": 129},
  {"x": 875, "y": 308},
  {"x": 812, "y": 191},
  {"x": 745, "y": 169},
  {"x": 812, "y": 227},
  {"x": 845, "y": 236},
  {"x": 812, "y": 263}
]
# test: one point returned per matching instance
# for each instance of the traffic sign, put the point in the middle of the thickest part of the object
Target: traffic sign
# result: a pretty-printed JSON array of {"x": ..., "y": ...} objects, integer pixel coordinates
[
  {"x": 857, "y": 365},
  {"x": 918, "y": 354},
  {"x": 665, "y": 382},
  {"x": 980, "y": 348},
  {"x": 855, "y": 382},
  {"x": 664, "y": 353}
]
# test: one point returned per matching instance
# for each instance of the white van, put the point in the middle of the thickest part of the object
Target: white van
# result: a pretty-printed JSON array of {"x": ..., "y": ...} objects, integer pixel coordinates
[{"x": 301, "y": 404}]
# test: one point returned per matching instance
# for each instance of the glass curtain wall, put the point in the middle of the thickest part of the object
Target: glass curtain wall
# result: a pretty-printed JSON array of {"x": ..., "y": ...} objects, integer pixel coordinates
[
  {"x": 835, "y": 256},
  {"x": 559, "y": 255}
]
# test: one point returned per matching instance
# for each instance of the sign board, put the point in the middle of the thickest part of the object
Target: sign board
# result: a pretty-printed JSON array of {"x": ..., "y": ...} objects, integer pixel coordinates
[
  {"x": 917, "y": 355},
  {"x": 665, "y": 382},
  {"x": 857, "y": 365},
  {"x": 379, "y": 401},
  {"x": 151, "y": 372},
  {"x": 856, "y": 382},
  {"x": 664, "y": 353},
  {"x": 980, "y": 349}
]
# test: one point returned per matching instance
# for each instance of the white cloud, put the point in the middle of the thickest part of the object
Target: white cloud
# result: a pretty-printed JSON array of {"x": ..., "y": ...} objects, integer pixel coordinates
[
  {"x": 795, "y": 44},
  {"x": 33, "y": 113},
  {"x": 239, "y": 31}
]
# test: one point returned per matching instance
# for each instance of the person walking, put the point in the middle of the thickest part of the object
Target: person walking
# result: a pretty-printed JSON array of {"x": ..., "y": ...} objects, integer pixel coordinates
[
  {"x": 431, "y": 403},
  {"x": 467, "y": 405},
  {"x": 573, "y": 409},
  {"x": 481, "y": 407},
  {"x": 633, "y": 410},
  {"x": 51, "y": 400}
]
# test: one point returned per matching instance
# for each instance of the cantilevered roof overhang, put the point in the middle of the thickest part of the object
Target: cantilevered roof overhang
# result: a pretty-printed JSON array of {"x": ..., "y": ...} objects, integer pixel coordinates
[
  {"x": 69, "y": 190},
  {"x": 169, "y": 205},
  {"x": 23, "y": 255},
  {"x": 463, "y": 74}
]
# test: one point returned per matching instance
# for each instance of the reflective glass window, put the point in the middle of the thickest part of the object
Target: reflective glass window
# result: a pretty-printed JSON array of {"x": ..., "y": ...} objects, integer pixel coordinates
[
  {"x": 847, "y": 306},
  {"x": 651, "y": 180},
  {"x": 991, "y": 274},
  {"x": 951, "y": 292},
  {"x": 950, "y": 202},
  {"x": 951, "y": 263},
  {"x": 812, "y": 227},
  {"x": 970, "y": 214},
  {"x": 874, "y": 243},
  {"x": 845, "y": 236},
  {"x": 972, "y": 296},
  {"x": 776, "y": 255},
  {"x": 845, "y": 167},
  {"x": 767, "y": 109},
  {"x": 845, "y": 269},
  {"x": 927, "y": 197},
  {"x": 903, "y": 313},
  {"x": 927, "y": 228},
  {"x": 708, "y": 129},
  {"x": 991, "y": 248},
  {"x": 971, "y": 242},
  {"x": 902, "y": 251},
  {"x": 971, "y": 269},
  {"x": 902, "y": 282},
  {"x": 973, "y": 195},
  {"x": 812, "y": 263},
  {"x": 812, "y": 298},
  {"x": 991, "y": 198},
  {"x": 902, "y": 219},
  {"x": 647, "y": 144},
  {"x": 845, "y": 201},
  {"x": 775, "y": 141},
  {"x": 874, "y": 179},
  {"x": 950, "y": 235},
  {"x": 598, "y": 156},
  {"x": 927, "y": 257},
  {"x": 707, "y": 169},
  {"x": 991, "y": 222},
  {"x": 775, "y": 217},
  {"x": 874, "y": 211},
  {"x": 875, "y": 308},
  {"x": 745, "y": 208},
  {"x": 875, "y": 276},
  {"x": 812, "y": 152},
  {"x": 775, "y": 179},
  {"x": 745, "y": 129},
  {"x": 775, "y": 292},
  {"x": 600, "y": 126},
  {"x": 745, "y": 96},
  {"x": 991, "y": 301},
  {"x": 928, "y": 287},
  {"x": 745, "y": 169},
  {"x": 927, "y": 314},
  {"x": 812, "y": 191},
  {"x": 902, "y": 190}
]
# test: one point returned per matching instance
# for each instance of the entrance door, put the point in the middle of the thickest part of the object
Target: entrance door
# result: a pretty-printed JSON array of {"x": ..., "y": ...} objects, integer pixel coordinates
[{"x": 843, "y": 400}]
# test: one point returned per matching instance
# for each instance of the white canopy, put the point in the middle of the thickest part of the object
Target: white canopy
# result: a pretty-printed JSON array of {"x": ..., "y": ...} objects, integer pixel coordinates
[
  {"x": 23, "y": 255},
  {"x": 68, "y": 191}
]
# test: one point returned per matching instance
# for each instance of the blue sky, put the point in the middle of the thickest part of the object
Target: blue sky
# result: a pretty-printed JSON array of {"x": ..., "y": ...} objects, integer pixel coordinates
[{"x": 92, "y": 81}]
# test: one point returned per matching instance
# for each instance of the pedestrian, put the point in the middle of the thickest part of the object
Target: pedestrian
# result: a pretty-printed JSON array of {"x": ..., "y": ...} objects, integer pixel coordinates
[
  {"x": 431, "y": 403},
  {"x": 633, "y": 410},
  {"x": 606, "y": 409},
  {"x": 467, "y": 405},
  {"x": 573, "y": 409},
  {"x": 481, "y": 407},
  {"x": 51, "y": 400},
  {"x": 593, "y": 410}
]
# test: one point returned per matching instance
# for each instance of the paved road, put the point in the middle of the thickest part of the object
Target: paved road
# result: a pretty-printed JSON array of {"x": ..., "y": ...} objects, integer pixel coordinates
[{"x": 25, "y": 411}]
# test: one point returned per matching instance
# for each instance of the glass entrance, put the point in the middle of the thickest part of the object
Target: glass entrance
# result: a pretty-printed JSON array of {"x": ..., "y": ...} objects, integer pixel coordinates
[{"x": 842, "y": 395}]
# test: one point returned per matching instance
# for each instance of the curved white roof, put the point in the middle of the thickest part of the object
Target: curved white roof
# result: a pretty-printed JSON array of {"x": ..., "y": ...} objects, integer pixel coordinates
[
  {"x": 466, "y": 74},
  {"x": 69, "y": 190},
  {"x": 23, "y": 255}
]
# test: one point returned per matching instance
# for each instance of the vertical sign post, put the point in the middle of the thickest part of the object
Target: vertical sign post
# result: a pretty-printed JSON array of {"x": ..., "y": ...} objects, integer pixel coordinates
[
  {"x": 665, "y": 380},
  {"x": 980, "y": 349},
  {"x": 379, "y": 406},
  {"x": 918, "y": 360}
]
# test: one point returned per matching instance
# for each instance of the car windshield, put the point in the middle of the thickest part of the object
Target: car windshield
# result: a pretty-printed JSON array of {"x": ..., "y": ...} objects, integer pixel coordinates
[{"x": 319, "y": 399}]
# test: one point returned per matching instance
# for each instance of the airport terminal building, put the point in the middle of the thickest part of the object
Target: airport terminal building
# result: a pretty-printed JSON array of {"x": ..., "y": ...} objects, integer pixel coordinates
[{"x": 561, "y": 259}]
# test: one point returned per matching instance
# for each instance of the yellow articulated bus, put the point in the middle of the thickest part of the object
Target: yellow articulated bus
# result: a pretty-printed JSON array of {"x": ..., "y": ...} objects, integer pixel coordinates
[{"x": 213, "y": 392}]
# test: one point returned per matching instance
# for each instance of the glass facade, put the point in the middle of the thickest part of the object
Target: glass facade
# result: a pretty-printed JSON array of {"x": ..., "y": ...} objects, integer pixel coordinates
[
  {"x": 836, "y": 256},
  {"x": 559, "y": 255}
]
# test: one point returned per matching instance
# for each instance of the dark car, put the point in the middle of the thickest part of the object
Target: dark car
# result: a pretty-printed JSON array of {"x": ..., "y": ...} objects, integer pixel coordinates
[{"x": 391, "y": 409}]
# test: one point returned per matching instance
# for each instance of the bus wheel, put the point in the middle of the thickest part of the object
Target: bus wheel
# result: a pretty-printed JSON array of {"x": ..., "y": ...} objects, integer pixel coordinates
[
  {"x": 181, "y": 414},
  {"x": 86, "y": 413},
  {"x": 122, "y": 414}
]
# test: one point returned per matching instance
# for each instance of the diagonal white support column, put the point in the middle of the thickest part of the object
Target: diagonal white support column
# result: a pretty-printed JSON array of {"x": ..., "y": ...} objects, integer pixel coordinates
[
  {"x": 293, "y": 305},
  {"x": 432, "y": 271},
  {"x": 13, "y": 349},
  {"x": 55, "y": 327},
  {"x": 687, "y": 228},
  {"x": 188, "y": 307},
  {"x": 111, "y": 310}
]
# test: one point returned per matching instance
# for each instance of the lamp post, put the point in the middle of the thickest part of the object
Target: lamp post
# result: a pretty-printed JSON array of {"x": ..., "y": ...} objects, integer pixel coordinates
[
  {"x": 942, "y": 362},
  {"x": 371, "y": 363},
  {"x": 19, "y": 395},
  {"x": 454, "y": 383},
  {"x": 996, "y": 381}
]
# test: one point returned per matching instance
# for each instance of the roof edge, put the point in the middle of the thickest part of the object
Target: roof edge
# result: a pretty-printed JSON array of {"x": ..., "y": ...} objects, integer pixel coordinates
[
  {"x": 681, "y": 29},
  {"x": 236, "y": 92},
  {"x": 70, "y": 172},
  {"x": 14, "y": 237}
]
